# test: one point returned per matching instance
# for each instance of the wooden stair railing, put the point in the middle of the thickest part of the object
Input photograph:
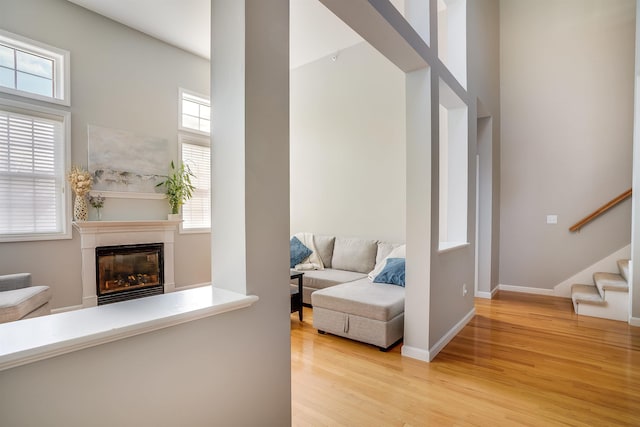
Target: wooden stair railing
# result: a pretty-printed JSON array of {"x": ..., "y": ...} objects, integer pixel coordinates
[{"x": 595, "y": 214}]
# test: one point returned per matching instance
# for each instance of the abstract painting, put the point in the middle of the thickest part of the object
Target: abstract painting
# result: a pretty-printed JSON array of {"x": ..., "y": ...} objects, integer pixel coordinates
[{"x": 126, "y": 162}]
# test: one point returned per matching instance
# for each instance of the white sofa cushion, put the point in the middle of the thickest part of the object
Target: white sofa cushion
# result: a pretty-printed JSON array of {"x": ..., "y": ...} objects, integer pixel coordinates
[
  {"x": 398, "y": 252},
  {"x": 313, "y": 261},
  {"x": 354, "y": 254},
  {"x": 384, "y": 249},
  {"x": 362, "y": 298}
]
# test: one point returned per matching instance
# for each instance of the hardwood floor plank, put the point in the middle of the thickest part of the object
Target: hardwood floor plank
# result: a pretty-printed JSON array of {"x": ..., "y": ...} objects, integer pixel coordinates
[{"x": 523, "y": 360}]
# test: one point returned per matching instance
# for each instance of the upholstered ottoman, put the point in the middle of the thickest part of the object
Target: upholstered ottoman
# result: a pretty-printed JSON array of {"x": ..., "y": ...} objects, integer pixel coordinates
[
  {"x": 361, "y": 310},
  {"x": 20, "y": 300}
]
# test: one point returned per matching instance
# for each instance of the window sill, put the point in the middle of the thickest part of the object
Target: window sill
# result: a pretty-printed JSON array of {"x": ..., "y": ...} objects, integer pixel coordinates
[
  {"x": 195, "y": 230},
  {"x": 445, "y": 247},
  {"x": 31, "y": 340}
]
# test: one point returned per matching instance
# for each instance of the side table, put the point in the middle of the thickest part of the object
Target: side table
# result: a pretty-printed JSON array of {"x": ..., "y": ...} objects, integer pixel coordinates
[{"x": 296, "y": 295}]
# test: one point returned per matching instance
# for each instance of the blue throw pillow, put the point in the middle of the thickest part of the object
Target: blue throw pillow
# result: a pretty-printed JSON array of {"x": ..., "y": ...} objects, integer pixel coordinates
[
  {"x": 298, "y": 252},
  {"x": 392, "y": 273}
]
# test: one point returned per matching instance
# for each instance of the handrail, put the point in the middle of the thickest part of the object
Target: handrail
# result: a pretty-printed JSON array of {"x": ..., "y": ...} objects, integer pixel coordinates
[{"x": 587, "y": 219}]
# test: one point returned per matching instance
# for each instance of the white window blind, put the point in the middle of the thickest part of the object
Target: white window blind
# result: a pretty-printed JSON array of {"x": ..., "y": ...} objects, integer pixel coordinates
[
  {"x": 196, "y": 212},
  {"x": 31, "y": 175}
]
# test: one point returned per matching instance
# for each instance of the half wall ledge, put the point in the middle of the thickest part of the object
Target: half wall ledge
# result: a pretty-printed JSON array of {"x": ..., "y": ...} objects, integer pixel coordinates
[{"x": 30, "y": 340}]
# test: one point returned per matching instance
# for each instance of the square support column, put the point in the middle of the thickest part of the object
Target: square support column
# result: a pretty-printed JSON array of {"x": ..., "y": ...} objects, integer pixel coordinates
[
  {"x": 250, "y": 145},
  {"x": 250, "y": 201}
]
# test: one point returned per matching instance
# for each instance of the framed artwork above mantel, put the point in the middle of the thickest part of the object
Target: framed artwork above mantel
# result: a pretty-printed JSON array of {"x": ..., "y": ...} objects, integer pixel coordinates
[{"x": 126, "y": 164}]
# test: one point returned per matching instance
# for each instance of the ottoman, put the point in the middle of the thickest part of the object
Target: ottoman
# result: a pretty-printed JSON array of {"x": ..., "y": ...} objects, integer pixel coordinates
[{"x": 372, "y": 313}]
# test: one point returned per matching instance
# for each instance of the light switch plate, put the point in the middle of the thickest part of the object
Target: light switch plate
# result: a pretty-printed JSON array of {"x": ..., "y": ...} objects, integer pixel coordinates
[{"x": 552, "y": 219}]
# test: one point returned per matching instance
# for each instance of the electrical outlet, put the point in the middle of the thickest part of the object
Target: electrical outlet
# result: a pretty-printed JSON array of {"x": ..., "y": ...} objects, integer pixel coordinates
[
  {"x": 552, "y": 219},
  {"x": 464, "y": 290}
]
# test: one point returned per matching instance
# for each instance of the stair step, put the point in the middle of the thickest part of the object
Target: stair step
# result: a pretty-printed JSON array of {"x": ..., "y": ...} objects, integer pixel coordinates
[
  {"x": 585, "y": 294},
  {"x": 610, "y": 282},
  {"x": 623, "y": 266}
]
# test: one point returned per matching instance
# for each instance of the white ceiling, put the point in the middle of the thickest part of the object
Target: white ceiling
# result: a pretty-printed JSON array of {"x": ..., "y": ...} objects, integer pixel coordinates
[
  {"x": 315, "y": 31},
  {"x": 182, "y": 23}
]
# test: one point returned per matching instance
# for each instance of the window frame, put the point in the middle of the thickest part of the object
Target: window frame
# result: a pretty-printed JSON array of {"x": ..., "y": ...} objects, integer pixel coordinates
[
  {"x": 453, "y": 170},
  {"x": 61, "y": 67},
  {"x": 181, "y": 93},
  {"x": 65, "y": 206},
  {"x": 184, "y": 138}
]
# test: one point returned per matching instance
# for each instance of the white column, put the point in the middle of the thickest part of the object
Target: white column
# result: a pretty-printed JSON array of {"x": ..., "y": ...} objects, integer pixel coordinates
[
  {"x": 250, "y": 192},
  {"x": 250, "y": 140},
  {"x": 417, "y": 298}
]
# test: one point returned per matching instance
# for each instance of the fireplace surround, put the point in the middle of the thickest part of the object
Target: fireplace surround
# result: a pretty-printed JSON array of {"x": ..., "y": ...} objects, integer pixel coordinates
[{"x": 96, "y": 234}]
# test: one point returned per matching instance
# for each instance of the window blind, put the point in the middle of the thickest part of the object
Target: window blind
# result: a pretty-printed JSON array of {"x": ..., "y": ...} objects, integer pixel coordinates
[
  {"x": 196, "y": 212},
  {"x": 31, "y": 174}
]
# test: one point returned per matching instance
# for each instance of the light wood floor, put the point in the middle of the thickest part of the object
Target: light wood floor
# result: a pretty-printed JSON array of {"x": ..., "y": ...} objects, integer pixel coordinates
[{"x": 523, "y": 360}]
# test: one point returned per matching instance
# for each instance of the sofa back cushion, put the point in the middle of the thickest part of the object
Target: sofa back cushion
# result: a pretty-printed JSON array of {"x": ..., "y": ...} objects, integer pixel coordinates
[
  {"x": 354, "y": 254},
  {"x": 324, "y": 245}
]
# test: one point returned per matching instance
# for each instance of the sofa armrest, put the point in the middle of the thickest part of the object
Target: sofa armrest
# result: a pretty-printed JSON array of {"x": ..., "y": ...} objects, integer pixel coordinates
[{"x": 10, "y": 282}]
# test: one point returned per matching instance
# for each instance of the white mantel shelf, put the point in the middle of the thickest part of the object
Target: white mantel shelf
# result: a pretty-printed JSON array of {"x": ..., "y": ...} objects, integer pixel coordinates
[
  {"x": 115, "y": 226},
  {"x": 30, "y": 340}
]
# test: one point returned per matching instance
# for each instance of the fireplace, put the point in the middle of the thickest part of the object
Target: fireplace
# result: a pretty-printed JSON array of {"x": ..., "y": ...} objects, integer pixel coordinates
[{"x": 125, "y": 272}]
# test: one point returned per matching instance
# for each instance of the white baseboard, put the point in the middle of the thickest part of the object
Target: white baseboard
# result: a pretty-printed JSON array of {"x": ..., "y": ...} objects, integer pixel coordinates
[
  {"x": 634, "y": 321},
  {"x": 487, "y": 295},
  {"x": 527, "y": 290},
  {"x": 415, "y": 353},
  {"x": 442, "y": 342},
  {"x": 606, "y": 264},
  {"x": 65, "y": 309}
]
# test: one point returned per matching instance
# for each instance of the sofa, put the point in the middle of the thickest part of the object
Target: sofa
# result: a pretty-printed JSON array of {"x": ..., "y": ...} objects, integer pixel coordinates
[
  {"x": 20, "y": 300},
  {"x": 339, "y": 283}
]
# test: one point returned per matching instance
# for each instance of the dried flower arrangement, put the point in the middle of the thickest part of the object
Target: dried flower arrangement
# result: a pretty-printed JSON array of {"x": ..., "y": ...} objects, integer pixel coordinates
[{"x": 80, "y": 181}]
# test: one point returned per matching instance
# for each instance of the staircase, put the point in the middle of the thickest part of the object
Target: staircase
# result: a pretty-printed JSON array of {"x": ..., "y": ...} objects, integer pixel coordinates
[{"x": 608, "y": 298}]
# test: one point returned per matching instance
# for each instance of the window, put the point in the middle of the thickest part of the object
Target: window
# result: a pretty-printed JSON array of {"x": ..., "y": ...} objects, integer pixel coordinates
[
  {"x": 33, "y": 157},
  {"x": 195, "y": 112},
  {"x": 33, "y": 70},
  {"x": 195, "y": 152},
  {"x": 454, "y": 171}
]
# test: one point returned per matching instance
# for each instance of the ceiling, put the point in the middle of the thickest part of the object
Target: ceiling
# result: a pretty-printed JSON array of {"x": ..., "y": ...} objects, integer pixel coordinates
[
  {"x": 315, "y": 31},
  {"x": 182, "y": 23}
]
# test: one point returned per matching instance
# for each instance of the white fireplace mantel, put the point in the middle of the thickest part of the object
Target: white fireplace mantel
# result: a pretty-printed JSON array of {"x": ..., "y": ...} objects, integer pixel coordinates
[{"x": 109, "y": 233}]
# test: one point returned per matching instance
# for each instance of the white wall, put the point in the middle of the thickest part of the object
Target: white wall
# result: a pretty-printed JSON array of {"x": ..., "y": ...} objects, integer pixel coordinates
[
  {"x": 484, "y": 81},
  {"x": 348, "y": 166},
  {"x": 567, "y": 102},
  {"x": 123, "y": 79}
]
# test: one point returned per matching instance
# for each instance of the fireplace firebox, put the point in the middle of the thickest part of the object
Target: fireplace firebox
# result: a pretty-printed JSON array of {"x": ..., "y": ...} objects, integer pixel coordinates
[{"x": 127, "y": 272}]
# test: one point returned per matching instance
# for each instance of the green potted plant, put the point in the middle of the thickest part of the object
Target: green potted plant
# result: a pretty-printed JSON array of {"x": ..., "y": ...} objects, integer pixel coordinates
[{"x": 178, "y": 186}]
